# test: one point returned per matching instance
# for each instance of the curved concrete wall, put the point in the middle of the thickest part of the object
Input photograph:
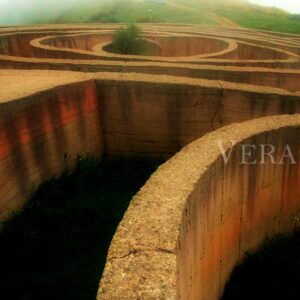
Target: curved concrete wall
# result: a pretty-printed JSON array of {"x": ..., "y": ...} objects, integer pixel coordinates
[
  {"x": 78, "y": 41},
  {"x": 271, "y": 60},
  {"x": 99, "y": 113},
  {"x": 187, "y": 48},
  {"x": 196, "y": 217},
  {"x": 180, "y": 46},
  {"x": 284, "y": 79},
  {"x": 48, "y": 118},
  {"x": 197, "y": 46},
  {"x": 171, "y": 45},
  {"x": 17, "y": 44},
  {"x": 78, "y": 46},
  {"x": 39, "y": 133},
  {"x": 247, "y": 51},
  {"x": 159, "y": 117}
]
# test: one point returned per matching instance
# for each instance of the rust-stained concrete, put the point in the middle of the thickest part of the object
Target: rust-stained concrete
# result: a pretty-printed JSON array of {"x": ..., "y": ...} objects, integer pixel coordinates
[
  {"x": 62, "y": 94},
  {"x": 41, "y": 134},
  {"x": 123, "y": 114},
  {"x": 196, "y": 217},
  {"x": 155, "y": 114}
]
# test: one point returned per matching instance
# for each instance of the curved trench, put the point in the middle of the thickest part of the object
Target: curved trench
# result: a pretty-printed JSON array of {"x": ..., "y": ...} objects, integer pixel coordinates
[{"x": 56, "y": 248}]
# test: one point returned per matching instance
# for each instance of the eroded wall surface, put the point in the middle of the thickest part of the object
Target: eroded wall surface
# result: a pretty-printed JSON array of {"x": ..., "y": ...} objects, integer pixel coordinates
[
  {"x": 160, "y": 118},
  {"x": 192, "y": 222},
  {"x": 197, "y": 215},
  {"x": 41, "y": 135},
  {"x": 115, "y": 115},
  {"x": 233, "y": 209}
]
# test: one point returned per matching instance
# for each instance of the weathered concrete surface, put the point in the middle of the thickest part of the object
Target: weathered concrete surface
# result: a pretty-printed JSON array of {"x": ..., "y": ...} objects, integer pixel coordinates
[
  {"x": 42, "y": 133},
  {"x": 195, "y": 218},
  {"x": 226, "y": 54},
  {"x": 46, "y": 114},
  {"x": 146, "y": 116},
  {"x": 158, "y": 115},
  {"x": 171, "y": 45}
]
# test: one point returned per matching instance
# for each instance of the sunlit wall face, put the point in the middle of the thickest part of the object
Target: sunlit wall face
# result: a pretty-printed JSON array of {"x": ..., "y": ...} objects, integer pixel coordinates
[{"x": 292, "y": 6}]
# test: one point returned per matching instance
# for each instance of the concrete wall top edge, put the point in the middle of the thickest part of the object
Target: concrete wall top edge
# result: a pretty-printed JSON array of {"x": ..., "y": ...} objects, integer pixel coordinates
[
  {"x": 9, "y": 108},
  {"x": 160, "y": 186},
  {"x": 147, "y": 237},
  {"x": 229, "y": 64},
  {"x": 84, "y": 26},
  {"x": 196, "y": 30},
  {"x": 31, "y": 82}
]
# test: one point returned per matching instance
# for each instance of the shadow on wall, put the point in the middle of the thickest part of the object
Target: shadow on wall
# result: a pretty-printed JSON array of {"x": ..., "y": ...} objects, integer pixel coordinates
[
  {"x": 270, "y": 273},
  {"x": 56, "y": 248}
]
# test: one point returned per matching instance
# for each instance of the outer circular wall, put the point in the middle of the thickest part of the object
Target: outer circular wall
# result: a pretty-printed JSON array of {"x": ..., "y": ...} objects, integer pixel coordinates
[{"x": 196, "y": 217}]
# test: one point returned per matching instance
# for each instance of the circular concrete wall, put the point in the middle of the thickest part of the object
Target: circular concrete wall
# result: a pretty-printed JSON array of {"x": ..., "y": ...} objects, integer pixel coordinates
[
  {"x": 46, "y": 114},
  {"x": 235, "y": 55},
  {"x": 197, "y": 216}
]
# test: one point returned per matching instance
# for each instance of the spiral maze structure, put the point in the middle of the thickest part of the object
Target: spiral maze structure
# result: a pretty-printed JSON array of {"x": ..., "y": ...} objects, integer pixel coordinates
[{"x": 64, "y": 94}]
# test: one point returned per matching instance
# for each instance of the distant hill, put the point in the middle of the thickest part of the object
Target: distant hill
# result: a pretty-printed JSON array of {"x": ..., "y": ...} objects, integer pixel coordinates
[
  {"x": 251, "y": 15},
  {"x": 217, "y": 12}
]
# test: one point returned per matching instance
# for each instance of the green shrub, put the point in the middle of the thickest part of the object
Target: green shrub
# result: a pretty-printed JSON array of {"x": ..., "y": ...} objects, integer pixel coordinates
[{"x": 128, "y": 41}]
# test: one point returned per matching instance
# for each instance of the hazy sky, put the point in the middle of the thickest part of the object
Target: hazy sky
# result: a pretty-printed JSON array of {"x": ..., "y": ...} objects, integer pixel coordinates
[{"x": 289, "y": 5}]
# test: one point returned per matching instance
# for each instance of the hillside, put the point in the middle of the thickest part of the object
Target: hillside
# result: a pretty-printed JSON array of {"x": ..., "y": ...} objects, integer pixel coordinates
[
  {"x": 220, "y": 12},
  {"x": 250, "y": 15}
]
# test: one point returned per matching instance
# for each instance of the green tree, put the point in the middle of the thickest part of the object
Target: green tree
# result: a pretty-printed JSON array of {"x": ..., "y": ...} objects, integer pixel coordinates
[{"x": 129, "y": 41}]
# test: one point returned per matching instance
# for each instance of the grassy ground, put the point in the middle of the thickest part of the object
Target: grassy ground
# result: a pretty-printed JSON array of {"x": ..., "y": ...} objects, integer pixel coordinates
[
  {"x": 271, "y": 273},
  {"x": 250, "y": 15},
  {"x": 240, "y": 12},
  {"x": 131, "y": 12},
  {"x": 259, "y": 18},
  {"x": 56, "y": 248}
]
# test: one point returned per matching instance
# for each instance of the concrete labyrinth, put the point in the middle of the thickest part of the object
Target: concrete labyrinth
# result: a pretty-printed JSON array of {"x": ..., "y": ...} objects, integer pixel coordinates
[{"x": 64, "y": 94}]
